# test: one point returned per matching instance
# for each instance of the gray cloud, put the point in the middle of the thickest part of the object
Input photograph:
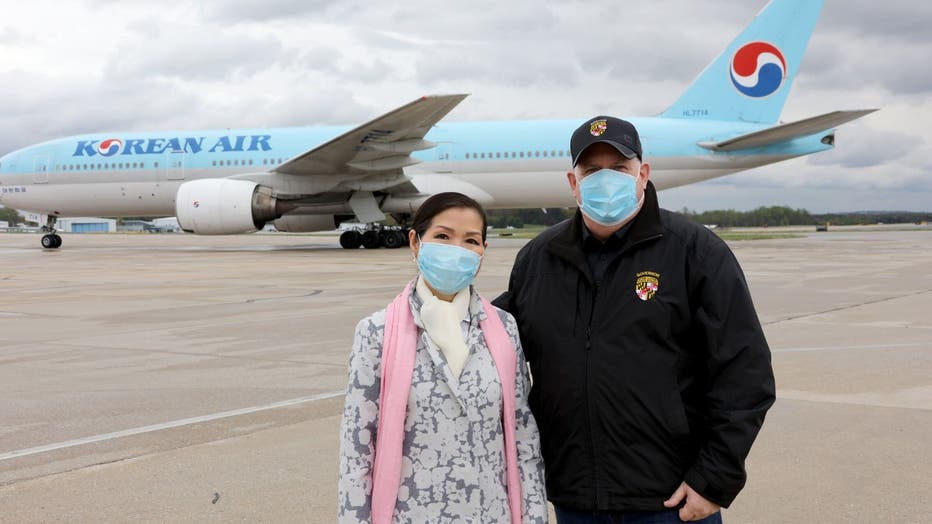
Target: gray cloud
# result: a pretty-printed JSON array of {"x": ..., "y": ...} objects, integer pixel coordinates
[
  {"x": 323, "y": 105},
  {"x": 891, "y": 20},
  {"x": 13, "y": 36},
  {"x": 332, "y": 62},
  {"x": 524, "y": 64},
  {"x": 26, "y": 117},
  {"x": 481, "y": 21},
  {"x": 867, "y": 149},
  {"x": 727, "y": 194},
  {"x": 257, "y": 11},
  {"x": 193, "y": 53},
  {"x": 897, "y": 66},
  {"x": 322, "y": 58}
]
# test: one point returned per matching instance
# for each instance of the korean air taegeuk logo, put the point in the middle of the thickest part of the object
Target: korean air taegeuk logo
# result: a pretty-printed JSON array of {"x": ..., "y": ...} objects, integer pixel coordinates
[{"x": 758, "y": 69}]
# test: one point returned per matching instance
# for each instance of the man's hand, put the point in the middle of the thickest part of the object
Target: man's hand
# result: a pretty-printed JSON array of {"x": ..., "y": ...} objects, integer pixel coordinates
[{"x": 696, "y": 507}]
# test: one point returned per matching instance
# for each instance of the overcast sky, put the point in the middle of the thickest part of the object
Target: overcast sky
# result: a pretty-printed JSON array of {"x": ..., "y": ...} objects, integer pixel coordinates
[{"x": 76, "y": 67}]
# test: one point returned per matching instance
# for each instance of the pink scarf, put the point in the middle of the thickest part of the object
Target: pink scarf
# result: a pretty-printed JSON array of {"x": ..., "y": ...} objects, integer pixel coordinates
[{"x": 398, "y": 352}]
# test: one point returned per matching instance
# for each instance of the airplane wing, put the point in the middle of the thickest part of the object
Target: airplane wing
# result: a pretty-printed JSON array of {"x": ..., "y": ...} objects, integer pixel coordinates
[
  {"x": 785, "y": 132},
  {"x": 379, "y": 147}
]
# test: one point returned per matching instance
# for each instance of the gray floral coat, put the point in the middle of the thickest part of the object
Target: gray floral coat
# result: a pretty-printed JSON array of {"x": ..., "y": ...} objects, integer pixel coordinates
[{"x": 453, "y": 468}]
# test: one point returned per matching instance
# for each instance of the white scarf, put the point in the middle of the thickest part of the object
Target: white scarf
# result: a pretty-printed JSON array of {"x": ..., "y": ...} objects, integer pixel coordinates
[{"x": 442, "y": 320}]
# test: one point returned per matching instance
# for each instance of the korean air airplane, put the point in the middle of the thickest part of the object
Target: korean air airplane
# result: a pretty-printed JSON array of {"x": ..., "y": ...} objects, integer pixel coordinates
[{"x": 222, "y": 182}]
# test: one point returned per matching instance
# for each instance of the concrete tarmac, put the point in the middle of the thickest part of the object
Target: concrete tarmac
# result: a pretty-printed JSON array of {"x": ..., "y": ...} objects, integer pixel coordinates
[{"x": 174, "y": 378}]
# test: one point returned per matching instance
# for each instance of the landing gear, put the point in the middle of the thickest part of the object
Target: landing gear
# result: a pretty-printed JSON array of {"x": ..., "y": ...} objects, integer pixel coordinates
[
  {"x": 375, "y": 236},
  {"x": 50, "y": 240},
  {"x": 351, "y": 239},
  {"x": 371, "y": 240},
  {"x": 393, "y": 239}
]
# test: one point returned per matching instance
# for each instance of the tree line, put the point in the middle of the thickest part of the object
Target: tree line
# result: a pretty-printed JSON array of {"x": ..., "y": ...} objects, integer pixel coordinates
[
  {"x": 771, "y": 216},
  {"x": 786, "y": 216}
]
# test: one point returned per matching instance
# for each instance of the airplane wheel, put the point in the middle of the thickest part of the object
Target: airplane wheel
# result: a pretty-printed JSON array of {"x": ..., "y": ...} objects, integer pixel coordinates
[
  {"x": 350, "y": 240},
  {"x": 391, "y": 239},
  {"x": 371, "y": 240},
  {"x": 48, "y": 242},
  {"x": 57, "y": 241}
]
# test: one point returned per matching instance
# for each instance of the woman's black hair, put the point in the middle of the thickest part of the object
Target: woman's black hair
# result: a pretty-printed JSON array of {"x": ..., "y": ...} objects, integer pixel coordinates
[{"x": 439, "y": 203}]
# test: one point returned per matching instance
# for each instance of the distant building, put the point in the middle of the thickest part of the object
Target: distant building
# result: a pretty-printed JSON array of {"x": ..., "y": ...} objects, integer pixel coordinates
[
  {"x": 166, "y": 225},
  {"x": 137, "y": 226},
  {"x": 86, "y": 225}
]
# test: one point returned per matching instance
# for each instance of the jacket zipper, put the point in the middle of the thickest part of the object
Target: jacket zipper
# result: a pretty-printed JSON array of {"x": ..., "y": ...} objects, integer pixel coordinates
[
  {"x": 592, "y": 457},
  {"x": 589, "y": 417}
]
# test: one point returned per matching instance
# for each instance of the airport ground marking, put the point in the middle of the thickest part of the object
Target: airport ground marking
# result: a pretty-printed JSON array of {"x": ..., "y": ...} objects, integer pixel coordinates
[
  {"x": 166, "y": 425},
  {"x": 847, "y": 347}
]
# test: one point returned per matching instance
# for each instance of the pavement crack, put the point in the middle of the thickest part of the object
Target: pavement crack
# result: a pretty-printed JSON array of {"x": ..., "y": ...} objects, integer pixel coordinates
[
  {"x": 267, "y": 299},
  {"x": 845, "y": 307}
]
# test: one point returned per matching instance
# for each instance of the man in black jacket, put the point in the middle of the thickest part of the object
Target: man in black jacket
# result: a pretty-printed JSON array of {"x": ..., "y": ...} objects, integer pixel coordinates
[{"x": 651, "y": 374}]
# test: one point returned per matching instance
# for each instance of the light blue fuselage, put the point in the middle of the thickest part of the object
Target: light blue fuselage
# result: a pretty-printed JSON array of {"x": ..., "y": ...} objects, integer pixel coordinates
[{"x": 510, "y": 164}]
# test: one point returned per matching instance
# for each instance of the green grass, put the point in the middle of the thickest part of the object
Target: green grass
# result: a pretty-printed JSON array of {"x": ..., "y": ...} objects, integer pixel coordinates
[
  {"x": 533, "y": 231},
  {"x": 737, "y": 235},
  {"x": 524, "y": 232}
]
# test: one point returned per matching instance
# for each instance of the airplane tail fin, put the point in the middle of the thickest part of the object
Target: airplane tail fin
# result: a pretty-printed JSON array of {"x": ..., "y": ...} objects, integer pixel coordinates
[{"x": 751, "y": 79}]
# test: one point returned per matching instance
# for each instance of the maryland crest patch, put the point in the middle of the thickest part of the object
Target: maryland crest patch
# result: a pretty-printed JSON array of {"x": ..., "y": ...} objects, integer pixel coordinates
[
  {"x": 647, "y": 284},
  {"x": 598, "y": 127}
]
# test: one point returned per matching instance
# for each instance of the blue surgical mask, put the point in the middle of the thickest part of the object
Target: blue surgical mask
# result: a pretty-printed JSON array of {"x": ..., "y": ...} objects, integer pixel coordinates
[
  {"x": 447, "y": 268},
  {"x": 608, "y": 197}
]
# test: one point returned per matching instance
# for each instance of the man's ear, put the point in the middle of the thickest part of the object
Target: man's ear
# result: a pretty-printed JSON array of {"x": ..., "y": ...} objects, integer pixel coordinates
[{"x": 574, "y": 186}]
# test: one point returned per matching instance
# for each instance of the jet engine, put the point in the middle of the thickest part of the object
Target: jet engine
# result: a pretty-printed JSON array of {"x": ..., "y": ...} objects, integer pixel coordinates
[
  {"x": 305, "y": 223},
  {"x": 219, "y": 206}
]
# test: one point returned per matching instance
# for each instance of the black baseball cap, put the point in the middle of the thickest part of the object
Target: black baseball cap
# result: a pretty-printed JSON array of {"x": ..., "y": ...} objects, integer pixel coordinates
[{"x": 615, "y": 132}]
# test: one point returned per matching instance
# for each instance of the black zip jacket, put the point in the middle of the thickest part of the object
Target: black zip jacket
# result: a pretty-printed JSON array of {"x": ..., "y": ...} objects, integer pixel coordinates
[{"x": 659, "y": 373}]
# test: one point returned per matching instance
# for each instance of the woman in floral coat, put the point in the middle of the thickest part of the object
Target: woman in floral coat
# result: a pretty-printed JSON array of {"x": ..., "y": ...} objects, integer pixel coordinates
[{"x": 436, "y": 426}]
